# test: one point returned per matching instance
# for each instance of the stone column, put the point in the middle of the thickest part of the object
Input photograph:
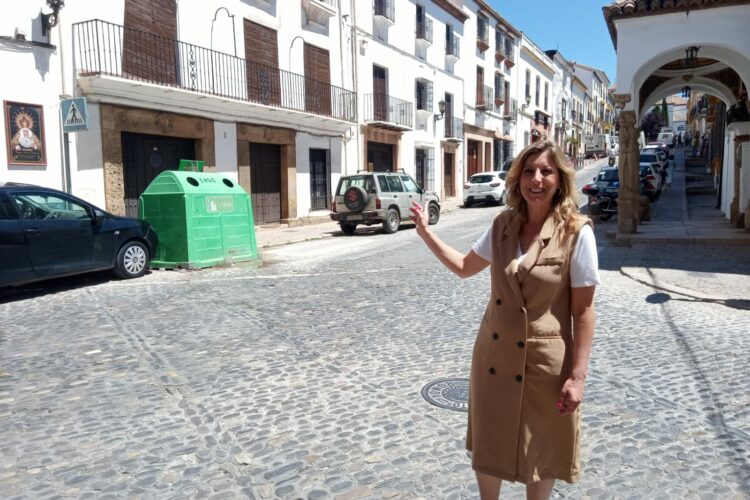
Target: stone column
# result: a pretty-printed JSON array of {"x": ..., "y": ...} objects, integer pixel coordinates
[{"x": 628, "y": 166}]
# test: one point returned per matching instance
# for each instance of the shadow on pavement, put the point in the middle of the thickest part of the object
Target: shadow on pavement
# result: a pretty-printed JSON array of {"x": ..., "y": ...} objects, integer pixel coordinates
[{"x": 55, "y": 285}]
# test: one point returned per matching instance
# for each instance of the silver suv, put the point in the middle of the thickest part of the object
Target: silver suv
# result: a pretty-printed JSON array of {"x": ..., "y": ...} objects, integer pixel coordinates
[{"x": 379, "y": 197}]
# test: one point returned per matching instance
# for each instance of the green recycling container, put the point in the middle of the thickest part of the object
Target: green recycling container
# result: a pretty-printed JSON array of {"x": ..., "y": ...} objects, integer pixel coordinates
[{"x": 203, "y": 219}]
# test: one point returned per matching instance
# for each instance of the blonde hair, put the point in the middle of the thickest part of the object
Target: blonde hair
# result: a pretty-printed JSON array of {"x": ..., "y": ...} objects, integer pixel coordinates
[{"x": 565, "y": 202}]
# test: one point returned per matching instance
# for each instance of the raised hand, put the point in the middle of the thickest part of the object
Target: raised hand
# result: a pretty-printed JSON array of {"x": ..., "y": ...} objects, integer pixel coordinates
[{"x": 419, "y": 216}]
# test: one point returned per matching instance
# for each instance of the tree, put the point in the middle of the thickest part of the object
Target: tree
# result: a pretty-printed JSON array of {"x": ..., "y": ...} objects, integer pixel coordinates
[{"x": 652, "y": 123}]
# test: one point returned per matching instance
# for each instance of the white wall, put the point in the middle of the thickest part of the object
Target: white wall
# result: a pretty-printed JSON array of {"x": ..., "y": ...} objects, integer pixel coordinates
[
  {"x": 646, "y": 43},
  {"x": 225, "y": 137},
  {"x": 86, "y": 159},
  {"x": 33, "y": 76}
]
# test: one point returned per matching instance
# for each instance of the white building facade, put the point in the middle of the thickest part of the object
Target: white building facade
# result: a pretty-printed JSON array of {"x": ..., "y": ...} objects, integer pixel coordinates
[{"x": 535, "y": 77}]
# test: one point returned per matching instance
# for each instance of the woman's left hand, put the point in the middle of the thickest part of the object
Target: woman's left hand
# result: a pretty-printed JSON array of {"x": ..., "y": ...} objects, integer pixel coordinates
[{"x": 570, "y": 396}]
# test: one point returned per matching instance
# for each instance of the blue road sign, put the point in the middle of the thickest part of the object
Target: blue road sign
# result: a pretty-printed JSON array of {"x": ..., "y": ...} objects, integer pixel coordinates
[{"x": 74, "y": 114}]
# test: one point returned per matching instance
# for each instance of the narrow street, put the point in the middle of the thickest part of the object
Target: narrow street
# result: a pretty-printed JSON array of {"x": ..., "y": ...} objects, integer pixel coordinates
[{"x": 302, "y": 379}]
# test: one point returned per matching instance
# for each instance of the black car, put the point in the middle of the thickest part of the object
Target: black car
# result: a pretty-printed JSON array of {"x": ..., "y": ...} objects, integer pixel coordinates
[
  {"x": 45, "y": 233},
  {"x": 606, "y": 183}
]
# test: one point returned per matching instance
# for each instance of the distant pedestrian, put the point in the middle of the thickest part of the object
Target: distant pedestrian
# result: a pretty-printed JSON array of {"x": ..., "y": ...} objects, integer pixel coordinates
[
  {"x": 679, "y": 140},
  {"x": 532, "y": 349},
  {"x": 695, "y": 145}
]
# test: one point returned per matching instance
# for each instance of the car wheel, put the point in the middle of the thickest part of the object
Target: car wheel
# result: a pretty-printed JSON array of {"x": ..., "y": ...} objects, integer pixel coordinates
[
  {"x": 434, "y": 214},
  {"x": 132, "y": 260},
  {"x": 392, "y": 220},
  {"x": 355, "y": 198},
  {"x": 467, "y": 204},
  {"x": 501, "y": 201},
  {"x": 347, "y": 228}
]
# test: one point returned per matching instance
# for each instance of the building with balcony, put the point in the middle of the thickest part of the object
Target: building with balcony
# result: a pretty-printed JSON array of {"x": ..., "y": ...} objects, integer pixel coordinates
[
  {"x": 249, "y": 90},
  {"x": 411, "y": 100},
  {"x": 579, "y": 97},
  {"x": 487, "y": 62},
  {"x": 536, "y": 74},
  {"x": 562, "y": 100},
  {"x": 601, "y": 105}
]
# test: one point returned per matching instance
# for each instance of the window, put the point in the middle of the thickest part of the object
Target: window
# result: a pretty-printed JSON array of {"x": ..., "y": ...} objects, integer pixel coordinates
[
  {"x": 423, "y": 94},
  {"x": 43, "y": 206},
  {"x": 538, "y": 85},
  {"x": 564, "y": 109},
  {"x": 409, "y": 184},
  {"x": 423, "y": 160},
  {"x": 394, "y": 184},
  {"x": 363, "y": 181},
  {"x": 499, "y": 86},
  {"x": 483, "y": 29},
  {"x": 528, "y": 83},
  {"x": 320, "y": 162},
  {"x": 546, "y": 95},
  {"x": 526, "y": 137}
]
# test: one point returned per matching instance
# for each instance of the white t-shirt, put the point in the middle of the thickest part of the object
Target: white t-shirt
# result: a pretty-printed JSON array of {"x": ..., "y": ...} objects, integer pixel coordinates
[{"x": 584, "y": 263}]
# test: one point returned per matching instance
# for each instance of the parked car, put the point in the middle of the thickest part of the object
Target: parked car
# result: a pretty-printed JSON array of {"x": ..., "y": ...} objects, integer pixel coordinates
[
  {"x": 485, "y": 187},
  {"x": 45, "y": 233},
  {"x": 606, "y": 182},
  {"x": 656, "y": 158},
  {"x": 368, "y": 198},
  {"x": 650, "y": 181}
]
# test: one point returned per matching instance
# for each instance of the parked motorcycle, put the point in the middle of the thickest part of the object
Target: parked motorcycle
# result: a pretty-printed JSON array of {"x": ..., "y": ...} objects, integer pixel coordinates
[{"x": 605, "y": 200}]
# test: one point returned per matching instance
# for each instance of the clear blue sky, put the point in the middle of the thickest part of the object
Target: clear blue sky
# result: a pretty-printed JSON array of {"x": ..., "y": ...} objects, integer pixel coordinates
[{"x": 574, "y": 27}]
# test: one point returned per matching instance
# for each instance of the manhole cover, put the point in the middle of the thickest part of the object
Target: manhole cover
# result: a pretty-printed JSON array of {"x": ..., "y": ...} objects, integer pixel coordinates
[{"x": 448, "y": 393}]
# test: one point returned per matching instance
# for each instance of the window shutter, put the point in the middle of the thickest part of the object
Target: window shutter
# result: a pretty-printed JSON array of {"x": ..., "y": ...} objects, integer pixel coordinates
[
  {"x": 430, "y": 184},
  {"x": 428, "y": 105}
]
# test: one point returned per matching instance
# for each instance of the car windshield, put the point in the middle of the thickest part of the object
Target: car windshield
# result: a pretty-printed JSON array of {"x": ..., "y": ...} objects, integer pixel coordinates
[
  {"x": 649, "y": 158},
  {"x": 608, "y": 175},
  {"x": 646, "y": 170},
  {"x": 363, "y": 181},
  {"x": 481, "y": 179}
]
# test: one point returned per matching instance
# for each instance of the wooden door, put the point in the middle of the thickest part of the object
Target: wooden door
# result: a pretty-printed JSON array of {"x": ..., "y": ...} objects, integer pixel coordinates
[
  {"x": 380, "y": 156},
  {"x": 150, "y": 41},
  {"x": 448, "y": 174},
  {"x": 320, "y": 179},
  {"x": 317, "y": 80},
  {"x": 146, "y": 156},
  {"x": 379, "y": 93},
  {"x": 472, "y": 158},
  {"x": 265, "y": 182},
  {"x": 262, "y": 64}
]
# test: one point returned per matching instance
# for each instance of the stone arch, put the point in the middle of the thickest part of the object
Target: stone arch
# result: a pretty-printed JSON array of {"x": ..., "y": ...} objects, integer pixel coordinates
[
  {"x": 727, "y": 55},
  {"x": 674, "y": 85}
]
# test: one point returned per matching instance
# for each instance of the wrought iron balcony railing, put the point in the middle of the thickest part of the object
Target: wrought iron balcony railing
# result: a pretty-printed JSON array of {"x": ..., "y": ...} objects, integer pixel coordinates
[
  {"x": 385, "y": 9},
  {"x": 452, "y": 46},
  {"x": 105, "y": 48},
  {"x": 424, "y": 30},
  {"x": 454, "y": 128},
  {"x": 511, "y": 108},
  {"x": 389, "y": 109},
  {"x": 485, "y": 97}
]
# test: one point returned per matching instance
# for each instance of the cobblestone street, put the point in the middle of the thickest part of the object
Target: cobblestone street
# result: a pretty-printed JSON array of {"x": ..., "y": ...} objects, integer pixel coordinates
[{"x": 302, "y": 378}]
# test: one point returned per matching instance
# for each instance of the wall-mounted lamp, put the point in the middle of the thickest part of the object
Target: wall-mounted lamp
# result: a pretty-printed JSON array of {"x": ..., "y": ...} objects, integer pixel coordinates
[
  {"x": 49, "y": 21},
  {"x": 528, "y": 102},
  {"x": 686, "y": 91},
  {"x": 691, "y": 55},
  {"x": 441, "y": 108},
  {"x": 363, "y": 44}
]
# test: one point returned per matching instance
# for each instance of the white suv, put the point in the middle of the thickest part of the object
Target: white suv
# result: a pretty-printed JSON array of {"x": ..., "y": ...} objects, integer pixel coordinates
[{"x": 379, "y": 198}]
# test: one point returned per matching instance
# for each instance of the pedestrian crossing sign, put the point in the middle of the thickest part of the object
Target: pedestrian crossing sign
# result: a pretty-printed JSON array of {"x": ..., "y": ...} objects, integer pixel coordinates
[{"x": 74, "y": 114}]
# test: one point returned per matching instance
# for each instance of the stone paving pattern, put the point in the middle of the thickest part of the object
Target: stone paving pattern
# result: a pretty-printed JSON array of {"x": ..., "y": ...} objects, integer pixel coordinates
[{"x": 302, "y": 378}]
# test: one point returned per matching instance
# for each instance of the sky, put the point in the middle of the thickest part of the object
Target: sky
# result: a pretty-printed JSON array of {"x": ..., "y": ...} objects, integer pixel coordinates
[{"x": 574, "y": 27}]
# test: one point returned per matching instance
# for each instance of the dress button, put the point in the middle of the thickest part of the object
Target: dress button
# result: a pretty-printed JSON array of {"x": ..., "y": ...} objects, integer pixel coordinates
[
  {"x": 498, "y": 302},
  {"x": 521, "y": 343},
  {"x": 519, "y": 378},
  {"x": 492, "y": 371},
  {"x": 494, "y": 336}
]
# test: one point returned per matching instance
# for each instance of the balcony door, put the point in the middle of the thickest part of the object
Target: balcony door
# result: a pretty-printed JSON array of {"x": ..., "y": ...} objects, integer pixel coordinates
[
  {"x": 448, "y": 115},
  {"x": 262, "y": 64},
  {"x": 379, "y": 93},
  {"x": 317, "y": 80},
  {"x": 480, "y": 86},
  {"x": 149, "y": 41}
]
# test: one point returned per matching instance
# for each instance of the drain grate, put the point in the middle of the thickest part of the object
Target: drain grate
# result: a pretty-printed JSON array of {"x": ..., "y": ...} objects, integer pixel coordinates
[{"x": 448, "y": 393}]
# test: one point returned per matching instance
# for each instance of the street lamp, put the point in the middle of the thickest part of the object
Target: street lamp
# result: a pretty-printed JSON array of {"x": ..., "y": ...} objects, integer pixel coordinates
[
  {"x": 49, "y": 21},
  {"x": 441, "y": 108},
  {"x": 528, "y": 101},
  {"x": 691, "y": 55}
]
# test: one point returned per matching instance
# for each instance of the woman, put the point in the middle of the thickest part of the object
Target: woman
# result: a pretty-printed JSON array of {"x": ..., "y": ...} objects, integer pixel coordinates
[{"x": 532, "y": 350}]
